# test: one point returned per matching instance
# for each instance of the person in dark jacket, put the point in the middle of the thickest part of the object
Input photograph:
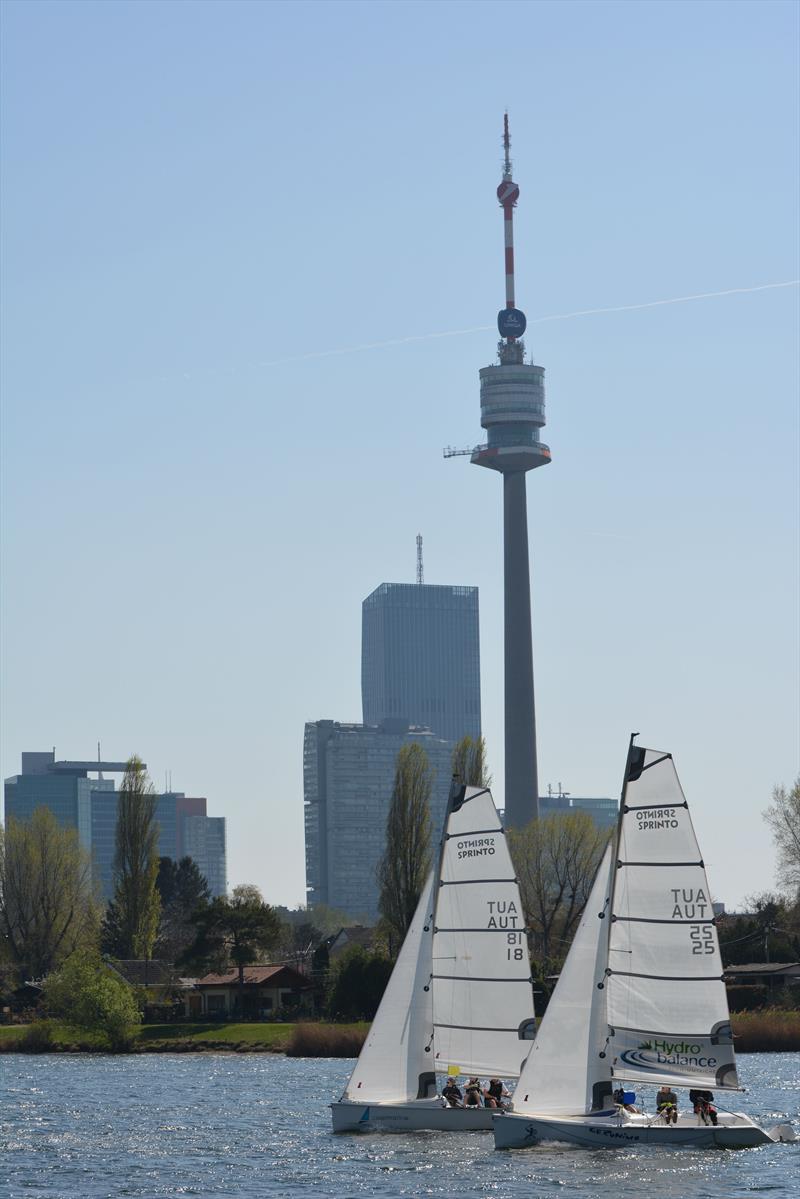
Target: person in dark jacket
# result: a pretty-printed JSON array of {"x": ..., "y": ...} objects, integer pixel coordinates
[
  {"x": 451, "y": 1093},
  {"x": 703, "y": 1103}
]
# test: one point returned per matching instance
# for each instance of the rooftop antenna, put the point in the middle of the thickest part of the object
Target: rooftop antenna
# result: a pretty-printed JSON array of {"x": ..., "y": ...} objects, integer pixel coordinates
[
  {"x": 420, "y": 572},
  {"x": 99, "y": 760}
]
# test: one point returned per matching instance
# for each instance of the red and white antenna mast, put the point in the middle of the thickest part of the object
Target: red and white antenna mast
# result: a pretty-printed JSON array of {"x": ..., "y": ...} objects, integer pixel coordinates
[
  {"x": 508, "y": 194},
  {"x": 510, "y": 322}
]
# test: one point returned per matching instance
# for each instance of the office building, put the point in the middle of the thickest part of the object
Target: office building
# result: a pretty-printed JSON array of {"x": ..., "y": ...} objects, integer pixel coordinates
[
  {"x": 420, "y": 658},
  {"x": 348, "y": 775},
  {"x": 604, "y": 812},
  {"x": 89, "y": 805}
]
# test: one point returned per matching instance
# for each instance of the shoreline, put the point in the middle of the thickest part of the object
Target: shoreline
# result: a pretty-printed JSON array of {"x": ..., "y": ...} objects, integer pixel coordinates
[{"x": 768, "y": 1031}]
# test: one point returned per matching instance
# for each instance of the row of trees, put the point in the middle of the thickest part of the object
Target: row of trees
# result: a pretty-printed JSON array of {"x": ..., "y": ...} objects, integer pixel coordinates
[
  {"x": 555, "y": 858},
  {"x": 555, "y": 861},
  {"x": 163, "y": 908}
]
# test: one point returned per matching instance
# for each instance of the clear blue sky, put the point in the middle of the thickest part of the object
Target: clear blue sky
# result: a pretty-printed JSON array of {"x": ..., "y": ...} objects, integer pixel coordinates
[{"x": 199, "y": 197}]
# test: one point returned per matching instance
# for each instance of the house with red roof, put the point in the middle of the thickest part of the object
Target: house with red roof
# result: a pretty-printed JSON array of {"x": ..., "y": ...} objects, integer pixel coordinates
[{"x": 267, "y": 989}]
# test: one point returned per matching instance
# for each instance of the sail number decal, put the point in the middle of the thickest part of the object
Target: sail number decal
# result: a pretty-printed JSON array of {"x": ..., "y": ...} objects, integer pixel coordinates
[
  {"x": 691, "y": 903},
  {"x": 502, "y": 913},
  {"x": 515, "y": 951}
]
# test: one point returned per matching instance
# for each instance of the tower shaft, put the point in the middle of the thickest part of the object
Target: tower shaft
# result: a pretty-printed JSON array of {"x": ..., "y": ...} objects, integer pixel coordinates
[{"x": 522, "y": 781}]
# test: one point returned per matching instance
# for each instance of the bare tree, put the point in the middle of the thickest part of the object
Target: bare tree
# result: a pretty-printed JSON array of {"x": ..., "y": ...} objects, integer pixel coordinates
[
  {"x": 469, "y": 762},
  {"x": 556, "y": 859},
  {"x": 783, "y": 817},
  {"x": 46, "y": 901},
  {"x": 133, "y": 916},
  {"x": 406, "y": 860}
]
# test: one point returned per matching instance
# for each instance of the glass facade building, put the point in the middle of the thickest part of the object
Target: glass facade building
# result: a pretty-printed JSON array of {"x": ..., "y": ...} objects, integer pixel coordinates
[
  {"x": 604, "y": 812},
  {"x": 89, "y": 805},
  {"x": 348, "y": 774},
  {"x": 420, "y": 658}
]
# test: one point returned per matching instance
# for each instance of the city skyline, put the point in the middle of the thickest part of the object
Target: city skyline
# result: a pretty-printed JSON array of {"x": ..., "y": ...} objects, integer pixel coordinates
[{"x": 200, "y": 486}]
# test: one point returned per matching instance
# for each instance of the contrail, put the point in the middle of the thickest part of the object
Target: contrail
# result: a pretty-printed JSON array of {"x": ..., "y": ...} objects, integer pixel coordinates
[{"x": 536, "y": 320}]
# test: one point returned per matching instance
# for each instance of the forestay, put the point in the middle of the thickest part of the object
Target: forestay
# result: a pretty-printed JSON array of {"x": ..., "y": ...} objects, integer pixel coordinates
[
  {"x": 666, "y": 1003},
  {"x": 395, "y": 1063},
  {"x": 482, "y": 993}
]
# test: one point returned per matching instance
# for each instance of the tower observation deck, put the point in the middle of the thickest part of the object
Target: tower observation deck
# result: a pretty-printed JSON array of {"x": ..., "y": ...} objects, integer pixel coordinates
[{"x": 512, "y": 413}]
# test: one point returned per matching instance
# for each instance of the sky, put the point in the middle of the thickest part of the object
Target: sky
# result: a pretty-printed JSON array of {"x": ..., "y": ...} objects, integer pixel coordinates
[{"x": 230, "y": 234}]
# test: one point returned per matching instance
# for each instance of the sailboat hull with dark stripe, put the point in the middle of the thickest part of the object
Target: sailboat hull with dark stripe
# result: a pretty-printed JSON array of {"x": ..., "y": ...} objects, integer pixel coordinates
[
  {"x": 733, "y": 1131},
  {"x": 414, "y": 1116}
]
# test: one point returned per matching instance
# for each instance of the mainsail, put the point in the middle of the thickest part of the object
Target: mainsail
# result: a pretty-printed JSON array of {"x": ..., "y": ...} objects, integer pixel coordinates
[
  {"x": 396, "y": 1064},
  {"x": 665, "y": 999},
  {"x": 480, "y": 971}
]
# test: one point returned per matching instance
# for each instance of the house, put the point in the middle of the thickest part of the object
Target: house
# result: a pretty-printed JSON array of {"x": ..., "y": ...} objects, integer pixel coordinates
[
  {"x": 266, "y": 990},
  {"x": 356, "y": 934},
  {"x": 771, "y": 974}
]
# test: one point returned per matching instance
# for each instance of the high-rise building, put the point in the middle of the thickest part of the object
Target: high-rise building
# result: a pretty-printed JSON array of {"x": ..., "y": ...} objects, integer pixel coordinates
[
  {"x": 512, "y": 412},
  {"x": 604, "y": 812},
  {"x": 90, "y": 806},
  {"x": 348, "y": 774},
  {"x": 420, "y": 658}
]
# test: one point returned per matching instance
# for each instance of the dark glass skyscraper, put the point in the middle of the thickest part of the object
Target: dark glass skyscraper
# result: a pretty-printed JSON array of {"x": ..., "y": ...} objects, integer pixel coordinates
[{"x": 420, "y": 658}]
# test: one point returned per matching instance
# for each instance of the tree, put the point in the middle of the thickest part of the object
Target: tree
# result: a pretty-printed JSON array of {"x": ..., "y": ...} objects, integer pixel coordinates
[
  {"x": 769, "y": 930},
  {"x": 238, "y": 929},
  {"x": 47, "y": 907},
  {"x": 406, "y": 860},
  {"x": 469, "y": 762},
  {"x": 131, "y": 923},
  {"x": 357, "y": 983},
  {"x": 86, "y": 994},
  {"x": 182, "y": 889},
  {"x": 556, "y": 859},
  {"x": 783, "y": 817}
]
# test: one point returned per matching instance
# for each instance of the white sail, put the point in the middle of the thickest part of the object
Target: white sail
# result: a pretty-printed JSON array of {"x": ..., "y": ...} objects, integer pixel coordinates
[
  {"x": 666, "y": 1002},
  {"x": 482, "y": 993},
  {"x": 559, "y": 1076},
  {"x": 396, "y": 1064}
]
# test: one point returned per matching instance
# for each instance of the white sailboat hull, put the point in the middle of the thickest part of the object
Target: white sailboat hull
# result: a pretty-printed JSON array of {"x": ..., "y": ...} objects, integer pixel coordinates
[
  {"x": 414, "y": 1116},
  {"x": 733, "y": 1131}
]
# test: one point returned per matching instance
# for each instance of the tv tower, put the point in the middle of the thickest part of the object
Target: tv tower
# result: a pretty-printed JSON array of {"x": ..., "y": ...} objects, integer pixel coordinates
[{"x": 512, "y": 412}]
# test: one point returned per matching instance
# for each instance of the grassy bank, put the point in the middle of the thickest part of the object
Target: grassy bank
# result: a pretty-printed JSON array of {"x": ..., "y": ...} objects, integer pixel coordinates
[
  {"x": 299, "y": 1040},
  {"x": 772, "y": 1030}
]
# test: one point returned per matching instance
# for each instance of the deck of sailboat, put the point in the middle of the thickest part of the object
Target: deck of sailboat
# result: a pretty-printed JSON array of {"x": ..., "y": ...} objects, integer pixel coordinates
[{"x": 613, "y": 1130}]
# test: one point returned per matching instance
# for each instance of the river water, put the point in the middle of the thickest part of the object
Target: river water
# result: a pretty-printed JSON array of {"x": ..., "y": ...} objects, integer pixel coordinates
[{"x": 258, "y": 1125}]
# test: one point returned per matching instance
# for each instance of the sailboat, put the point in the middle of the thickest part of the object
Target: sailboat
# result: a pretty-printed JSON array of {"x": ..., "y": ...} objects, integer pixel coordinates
[
  {"x": 460, "y": 997},
  {"x": 640, "y": 998}
]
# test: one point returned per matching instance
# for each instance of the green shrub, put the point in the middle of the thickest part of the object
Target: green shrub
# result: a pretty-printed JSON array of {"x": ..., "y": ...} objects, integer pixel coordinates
[
  {"x": 87, "y": 995},
  {"x": 37, "y": 1038}
]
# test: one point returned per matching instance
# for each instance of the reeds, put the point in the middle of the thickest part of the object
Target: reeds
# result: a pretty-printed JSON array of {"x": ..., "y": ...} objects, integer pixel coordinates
[
  {"x": 771, "y": 1030},
  {"x": 325, "y": 1040}
]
